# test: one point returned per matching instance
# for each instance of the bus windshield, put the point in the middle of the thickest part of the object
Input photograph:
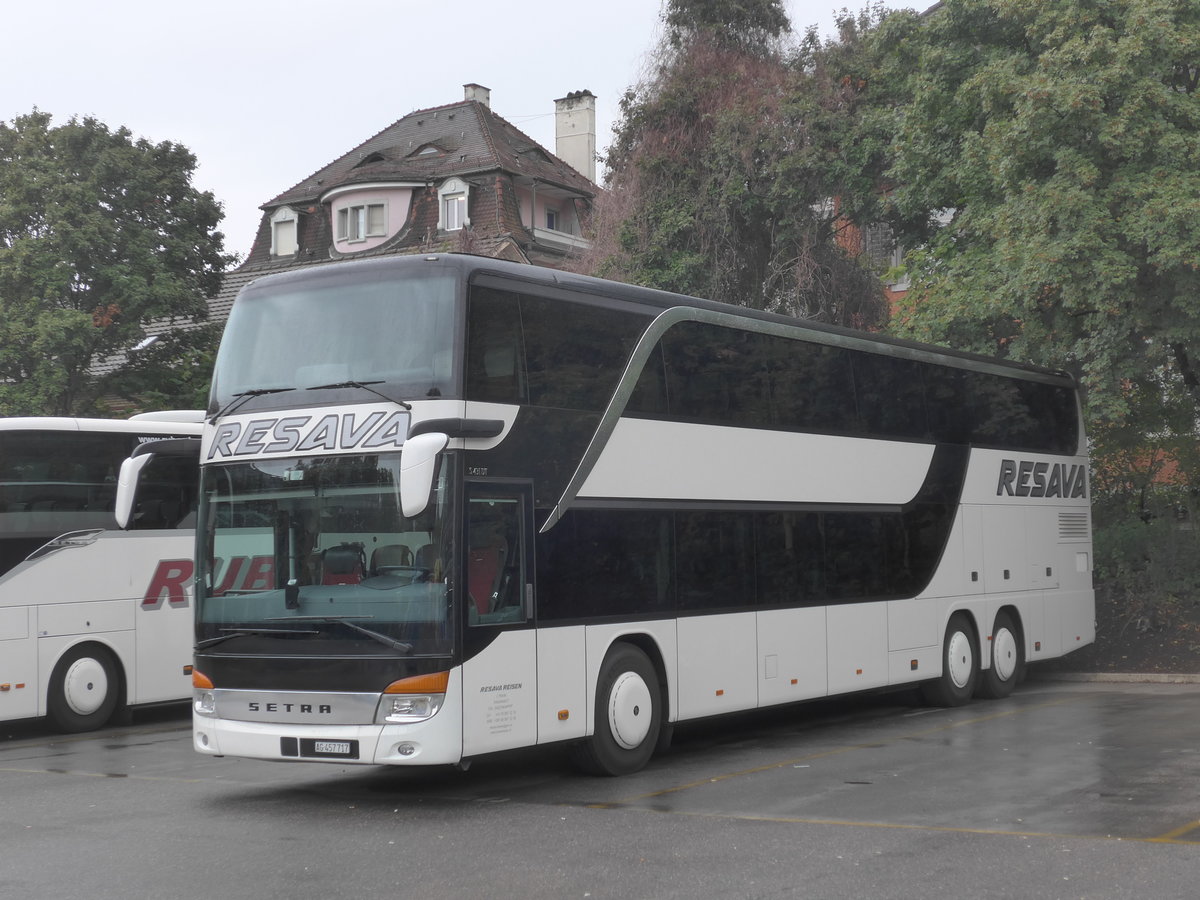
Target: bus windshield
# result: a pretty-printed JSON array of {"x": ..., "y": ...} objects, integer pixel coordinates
[
  {"x": 343, "y": 327},
  {"x": 316, "y": 550},
  {"x": 55, "y": 479}
]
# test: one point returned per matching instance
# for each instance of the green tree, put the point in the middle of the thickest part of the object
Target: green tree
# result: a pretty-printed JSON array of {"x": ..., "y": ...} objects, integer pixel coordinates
[
  {"x": 731, "y": 170},
  {"x": 1057, "y": 142},
  {"x": 745, "y": 24},
  {"x": 1047, "y": 166},
  {"x": 101, "y": 237}
]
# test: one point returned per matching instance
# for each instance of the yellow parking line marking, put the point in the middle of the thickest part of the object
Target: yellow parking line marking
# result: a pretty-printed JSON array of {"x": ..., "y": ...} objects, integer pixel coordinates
[
  {"x": 946, "y": 829},
  {"x": 1175, "y": 836},
  {"x": 82, "y": 774},
  {"x": 1172, "y": 837},
  {"x": 716, "y": 779}
]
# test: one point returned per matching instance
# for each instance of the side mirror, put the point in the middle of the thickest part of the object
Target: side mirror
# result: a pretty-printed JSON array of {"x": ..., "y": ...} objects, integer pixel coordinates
[
  {"x": 127, "y": 482},
  {"x": 131, "y": 471},
  {"x": 417, "y": 461}
]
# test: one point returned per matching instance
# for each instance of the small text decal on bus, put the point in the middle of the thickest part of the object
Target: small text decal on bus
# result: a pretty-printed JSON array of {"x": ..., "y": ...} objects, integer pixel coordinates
[
  {"x": 1041, "y": 479},
  {"x": 331, "y": 432}
]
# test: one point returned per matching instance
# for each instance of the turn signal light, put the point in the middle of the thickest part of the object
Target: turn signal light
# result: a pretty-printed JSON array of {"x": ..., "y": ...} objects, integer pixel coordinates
[
  {"x": 200, "y": 681},
  {"x": 420, "y": 684}
]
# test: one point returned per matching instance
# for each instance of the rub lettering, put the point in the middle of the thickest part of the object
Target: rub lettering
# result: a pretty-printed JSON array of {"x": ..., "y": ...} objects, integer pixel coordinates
[
  {"x": 1041, "y": 479},
  {"x": 171, "y": 581}
]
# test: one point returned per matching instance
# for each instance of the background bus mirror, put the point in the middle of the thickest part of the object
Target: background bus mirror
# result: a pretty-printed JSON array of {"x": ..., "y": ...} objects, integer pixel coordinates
[
  {"x": 127, "y": 482},
  {"x": 417, "y": 465}
]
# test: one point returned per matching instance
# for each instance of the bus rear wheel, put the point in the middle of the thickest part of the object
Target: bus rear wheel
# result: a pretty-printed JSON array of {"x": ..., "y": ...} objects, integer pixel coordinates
[
  {"x": 1008, "y": 659},
  {"x": 960, "y": 666},
  {"x": 84, "y": 689},
  {"x": 628, "y": 715}
]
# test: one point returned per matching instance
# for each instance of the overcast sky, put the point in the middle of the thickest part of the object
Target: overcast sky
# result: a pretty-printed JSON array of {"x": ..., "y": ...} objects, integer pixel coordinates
[{"x": 265, "y": 92}]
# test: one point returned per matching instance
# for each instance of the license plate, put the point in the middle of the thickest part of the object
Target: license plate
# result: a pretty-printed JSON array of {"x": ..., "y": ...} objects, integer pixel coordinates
[{"x": 308, "y": 748}]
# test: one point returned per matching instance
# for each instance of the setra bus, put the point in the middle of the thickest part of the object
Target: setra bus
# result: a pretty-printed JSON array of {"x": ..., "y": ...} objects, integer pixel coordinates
[
  {"x": 93, "y": 618},
  {"x": 451, "y": 506}
]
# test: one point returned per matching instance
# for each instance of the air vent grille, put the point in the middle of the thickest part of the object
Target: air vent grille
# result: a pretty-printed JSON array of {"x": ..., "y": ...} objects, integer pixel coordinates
[{"x": 1073, "y": 526}]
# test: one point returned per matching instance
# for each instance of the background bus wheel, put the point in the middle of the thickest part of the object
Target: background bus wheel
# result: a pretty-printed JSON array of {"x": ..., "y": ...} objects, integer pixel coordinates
[
  {"x": 628, "y": 715},
  {"x": 960, "y": 666},
  {"x": 1008, "y": 659},
  {"x": 83, "y": 689}
]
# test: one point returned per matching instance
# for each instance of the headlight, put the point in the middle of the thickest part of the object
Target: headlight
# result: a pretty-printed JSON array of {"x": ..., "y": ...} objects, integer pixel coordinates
[
  {"x": 412, "y": 699},
  {"x": 204, "y": 703},
  {"x": 408, "y": 707}
]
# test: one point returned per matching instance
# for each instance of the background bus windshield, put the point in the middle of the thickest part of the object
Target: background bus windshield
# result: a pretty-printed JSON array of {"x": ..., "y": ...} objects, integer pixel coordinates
[{"x": 55, "y": 481}]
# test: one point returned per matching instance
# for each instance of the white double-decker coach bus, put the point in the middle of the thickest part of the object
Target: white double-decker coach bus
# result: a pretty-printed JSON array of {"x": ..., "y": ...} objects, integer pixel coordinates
[
  {"x": 453, "y": 506},
  {"x": 93, "y": 618}
]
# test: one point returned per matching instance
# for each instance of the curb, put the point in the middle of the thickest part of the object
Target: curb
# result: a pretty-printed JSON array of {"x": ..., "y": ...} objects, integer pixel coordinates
[{"x": 1117, "y": 677}]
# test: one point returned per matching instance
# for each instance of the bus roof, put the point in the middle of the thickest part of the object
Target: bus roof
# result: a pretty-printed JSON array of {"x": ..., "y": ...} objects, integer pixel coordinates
[
  {"x": 189, "y": 425},
  {"x": 470, "y": 267}
]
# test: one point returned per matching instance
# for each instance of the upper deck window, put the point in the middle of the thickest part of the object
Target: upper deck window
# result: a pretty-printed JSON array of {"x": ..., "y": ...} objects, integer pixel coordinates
[{"x": 330, "y": 328}]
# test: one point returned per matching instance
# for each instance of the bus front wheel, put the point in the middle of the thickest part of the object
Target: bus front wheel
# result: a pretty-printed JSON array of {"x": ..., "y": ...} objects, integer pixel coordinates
[
  {"x": 84, "y": 689},
  {"x": 1008, "y": 659},
  {"x": 960, "y": 666},
  {"x": 628, "y": 718}
]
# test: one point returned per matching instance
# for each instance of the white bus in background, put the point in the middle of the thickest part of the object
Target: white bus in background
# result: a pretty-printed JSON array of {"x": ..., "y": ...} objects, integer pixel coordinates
[
  {"x": 92, "y": 618},
  {"x": 452, "y": 506}
]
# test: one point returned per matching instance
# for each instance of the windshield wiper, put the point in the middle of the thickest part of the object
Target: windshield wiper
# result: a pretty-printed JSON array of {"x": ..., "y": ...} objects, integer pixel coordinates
[
  {"x": 238, "y": 632},
  {"x": 361, "y": 385},
  {"x": 345, "y": 620},
  {"x": 242, "y": 397}
]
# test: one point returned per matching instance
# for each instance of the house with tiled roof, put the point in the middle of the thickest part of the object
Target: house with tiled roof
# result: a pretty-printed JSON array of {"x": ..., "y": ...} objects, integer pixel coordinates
[
  {"x": 451, "y": 178},
  {"x": 456, "y": 177}
]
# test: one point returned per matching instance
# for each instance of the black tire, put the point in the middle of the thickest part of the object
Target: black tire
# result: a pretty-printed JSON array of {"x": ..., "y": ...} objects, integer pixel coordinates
[
  {"x": 1007, "y": 666},
  {"x": 628, "y": 720},
  {"x": 84, "y": 689},
  {"x": 960, "y": 665}
]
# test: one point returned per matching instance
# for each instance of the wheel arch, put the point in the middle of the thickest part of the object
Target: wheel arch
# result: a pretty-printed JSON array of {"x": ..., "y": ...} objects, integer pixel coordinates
[
  {"x": 649, "y": 645},
  {"x": 973, "y": 613},
  {"x": 89, "y": 643}
]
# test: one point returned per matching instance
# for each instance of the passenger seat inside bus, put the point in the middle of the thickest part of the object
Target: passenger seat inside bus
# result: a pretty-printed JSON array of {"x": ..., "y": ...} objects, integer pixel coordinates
[
  {"x": 485, "y": 566},
  {"x": 390, "y": 556},
  {"x": 427, "y": 561},
  {"x": 342, "y": 564}
]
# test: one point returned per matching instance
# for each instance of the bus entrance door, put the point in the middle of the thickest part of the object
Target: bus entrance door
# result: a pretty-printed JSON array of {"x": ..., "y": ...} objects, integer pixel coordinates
[{"x": 499, "y": 641}]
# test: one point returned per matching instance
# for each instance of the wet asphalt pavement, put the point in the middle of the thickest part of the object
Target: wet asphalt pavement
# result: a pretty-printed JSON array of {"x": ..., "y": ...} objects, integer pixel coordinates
[{"x": 1063, "y": 790}]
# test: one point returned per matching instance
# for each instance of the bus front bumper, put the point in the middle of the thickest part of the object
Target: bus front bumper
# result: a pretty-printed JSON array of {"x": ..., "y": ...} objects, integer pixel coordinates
[{"x": 427, "y": 743}]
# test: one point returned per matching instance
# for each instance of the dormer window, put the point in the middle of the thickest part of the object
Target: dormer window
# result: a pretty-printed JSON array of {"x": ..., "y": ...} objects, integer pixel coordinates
[
  {"x": 452, "y": 205},
  {"x": 454, "y": 211},
  {"x": 366, "y": 215},
  {"x": 283, "y": 232},
  {"x": 357, "y": 223}
]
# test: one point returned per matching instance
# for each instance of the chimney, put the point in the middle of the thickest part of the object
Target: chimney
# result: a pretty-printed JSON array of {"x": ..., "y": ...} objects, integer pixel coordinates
[
  {"x": 575, "y": 132},
  {"x": 478, "y": 93}
]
